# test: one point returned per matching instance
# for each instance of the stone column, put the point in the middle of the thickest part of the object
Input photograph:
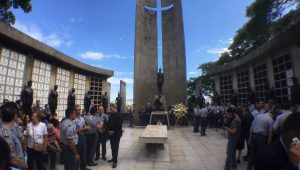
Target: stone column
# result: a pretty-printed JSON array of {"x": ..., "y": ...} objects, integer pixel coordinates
[
  {"x": 270, "y": 72},
  {"x": 145, "y": 55},
  {"x": 251, "y": 78},
  {"x": 295, "y": 56},
  {"x": 234, "y": 82},
  {"x": 174, "y": 62},
  {"x": 217, "y": 84},
  {"x": 123, "y": 95}
]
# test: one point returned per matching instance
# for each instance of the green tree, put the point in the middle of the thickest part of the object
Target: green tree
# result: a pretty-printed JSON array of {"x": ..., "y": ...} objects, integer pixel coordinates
[
  {"x": 265, "y": 22},
  {"x": 6, "y": 7},
  {"x": 207, "y": 81}
]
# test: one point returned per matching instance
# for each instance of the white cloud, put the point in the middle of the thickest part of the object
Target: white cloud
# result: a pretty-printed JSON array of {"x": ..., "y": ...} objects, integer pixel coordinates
[
  {"x": 216, "y": 50},
  {"x": 75, "y": 20},
  {"x": 35, "y": 32},
  {"x": 116, "y": 81},
  {"x": 98, "y": 65},
  {"x": 119, "y": 73},
  {"x": 193, "y": 72},
  {"x": 92, "y": 55}
]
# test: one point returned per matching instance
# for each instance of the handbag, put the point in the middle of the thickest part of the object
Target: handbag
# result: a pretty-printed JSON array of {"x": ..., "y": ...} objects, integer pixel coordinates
[{"x": 37, "y": 146}]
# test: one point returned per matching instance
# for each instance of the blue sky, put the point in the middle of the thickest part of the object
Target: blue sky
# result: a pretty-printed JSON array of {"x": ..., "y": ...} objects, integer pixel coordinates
[{"x": 101, "y": 32}]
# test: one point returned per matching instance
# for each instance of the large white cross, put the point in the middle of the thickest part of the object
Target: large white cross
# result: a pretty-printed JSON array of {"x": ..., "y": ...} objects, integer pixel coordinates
[{"x": 159, "y": 9}]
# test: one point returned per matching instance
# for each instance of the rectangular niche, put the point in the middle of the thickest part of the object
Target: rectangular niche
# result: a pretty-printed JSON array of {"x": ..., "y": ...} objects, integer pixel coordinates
[
  {"x": 260, "y": 80},
  {"x": 280, "y": 67},
  {"x": 96, "y": 89},
  {"x": 12, "y": 66},
  {"x": 79, "y": 86},
  {"x": 243, "y": 85},
  {"x": 41, "y": 77},
  {"x": 226, "y": 87},
  {"x": 62, "y": 81}
]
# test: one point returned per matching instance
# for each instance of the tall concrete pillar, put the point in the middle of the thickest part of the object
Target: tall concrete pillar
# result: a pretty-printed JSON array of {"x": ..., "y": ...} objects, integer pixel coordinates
[
  {"x": 145, "y": 55},
  {"x": 251, "y": 78},
  {"x": 146, "y": 48},
  {"x": 123, "y": 95},
  {"x": 173, "y": 46}
]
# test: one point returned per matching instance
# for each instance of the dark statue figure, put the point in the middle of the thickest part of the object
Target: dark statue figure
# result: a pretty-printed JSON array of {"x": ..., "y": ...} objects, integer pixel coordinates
[
  {"x": 160, "y": 81},
  {"x": 52, "y": 100},
  {"x": 158, "y": 103},
  {"x": 27, "y": 98},
  {"x": 71, "y": 99},
  {"x": 105, "y": 101},
  {"x": 87, "y": 101},
  {"x": 295, "y": 92},
  {"x": 251, "y": 96},
  {"x": 119, "y": 102}
]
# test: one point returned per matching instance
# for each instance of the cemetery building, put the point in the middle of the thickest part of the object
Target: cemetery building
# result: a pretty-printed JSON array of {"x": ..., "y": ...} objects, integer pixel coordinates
[
  {"x": 23, "y": 58},
  {"x": 268, "y": 67}
]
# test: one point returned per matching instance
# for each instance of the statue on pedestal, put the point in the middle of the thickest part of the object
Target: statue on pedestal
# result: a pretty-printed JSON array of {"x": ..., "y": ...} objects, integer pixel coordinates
[
  {"x": 119, "y": 102},
  {"x": 27, "y": 99},
  {"x": 105, "y": 101},
  {"x": 87, "y": 101},
  {"x": 158, "y": 103},
  {"x": 200, "y": 100},
  {"x": 160, "y": 81},
  {"x": 52, "y": 100},
  {"x": 71, "y": 99}
]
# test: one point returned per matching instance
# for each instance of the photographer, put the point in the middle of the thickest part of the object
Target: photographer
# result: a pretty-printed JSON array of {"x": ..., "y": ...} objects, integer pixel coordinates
[{"x": 233, "y": 126}]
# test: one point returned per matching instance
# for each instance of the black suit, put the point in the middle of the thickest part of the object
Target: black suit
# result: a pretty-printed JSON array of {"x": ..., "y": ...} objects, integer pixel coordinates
[
  {"x": 115, "y": 124},
  {"x": 273, "y": 157}
]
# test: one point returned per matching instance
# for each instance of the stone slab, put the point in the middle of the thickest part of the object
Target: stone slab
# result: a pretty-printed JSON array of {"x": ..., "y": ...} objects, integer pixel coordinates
[
  {"x": 154, "y": 134},
  {"x": 156, "y": 152}
]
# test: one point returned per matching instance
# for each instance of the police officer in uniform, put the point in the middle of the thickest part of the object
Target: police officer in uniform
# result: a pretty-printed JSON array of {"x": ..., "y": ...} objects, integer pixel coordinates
[
  {"x": 91, "y": 137},
  {"x": 69, "y": 139},
  {"x": 8, "y": 132},
  {"x": 81, "y": 128},
  {"x": 102, "y": 119}
]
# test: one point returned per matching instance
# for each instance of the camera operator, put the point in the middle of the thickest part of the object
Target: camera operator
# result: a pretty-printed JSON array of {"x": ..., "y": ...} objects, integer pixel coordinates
[{"x": 232, "y": 125}]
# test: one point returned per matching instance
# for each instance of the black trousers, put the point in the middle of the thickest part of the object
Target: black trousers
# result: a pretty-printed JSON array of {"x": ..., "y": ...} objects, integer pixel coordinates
[
  {"x": 81, "y": 149},
  {"x": 69, "y": 159},
  {"x": 52, "y": 156},
  {"x": 196, "y": 123},
  {"x": 35, "y": 156},
  {"x": 91, "y": 142},
  {"x": 114, "y": 144},
  {"x": 101, "y": 141},
  {"x": 203, "y": 125},
  {"x": 258, "y": 142}
]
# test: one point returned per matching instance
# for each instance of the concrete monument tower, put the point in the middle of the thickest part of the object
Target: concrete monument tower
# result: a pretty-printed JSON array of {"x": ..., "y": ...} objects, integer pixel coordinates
[{"x": 146, "y": 52}]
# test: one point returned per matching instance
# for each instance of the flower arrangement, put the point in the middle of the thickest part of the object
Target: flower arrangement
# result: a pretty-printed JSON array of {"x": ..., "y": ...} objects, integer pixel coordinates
[{"x": 180, "y": 111}]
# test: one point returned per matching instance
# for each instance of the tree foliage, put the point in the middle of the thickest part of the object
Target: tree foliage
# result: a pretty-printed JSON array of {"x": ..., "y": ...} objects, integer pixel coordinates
[
  {"x": 265, "y": 22},
  {"x": 6, "y": 14}
]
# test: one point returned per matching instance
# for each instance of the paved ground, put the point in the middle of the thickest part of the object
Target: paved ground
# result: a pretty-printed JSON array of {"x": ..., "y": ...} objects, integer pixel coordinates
[{"x": 187, "y": 150}]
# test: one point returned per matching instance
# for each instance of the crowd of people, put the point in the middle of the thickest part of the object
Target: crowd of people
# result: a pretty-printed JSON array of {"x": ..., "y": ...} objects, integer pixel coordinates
[
  {"x": 40, "y": 141},
  {"x": 269, "y": 130}
]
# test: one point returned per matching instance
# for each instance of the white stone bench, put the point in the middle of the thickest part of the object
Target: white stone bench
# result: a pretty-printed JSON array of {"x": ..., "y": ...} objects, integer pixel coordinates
[{"x": 154, "y": 134}]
